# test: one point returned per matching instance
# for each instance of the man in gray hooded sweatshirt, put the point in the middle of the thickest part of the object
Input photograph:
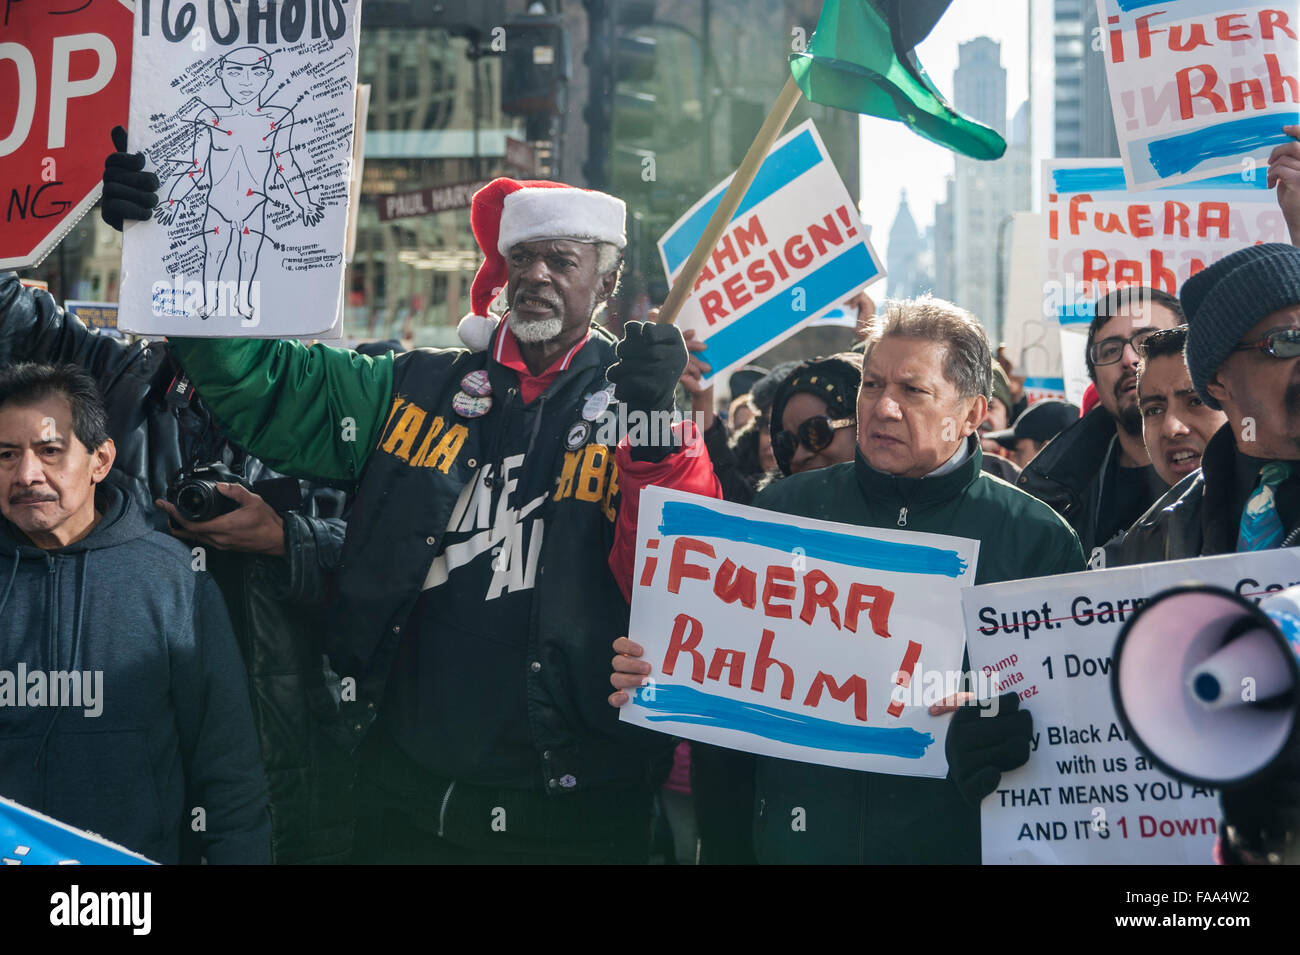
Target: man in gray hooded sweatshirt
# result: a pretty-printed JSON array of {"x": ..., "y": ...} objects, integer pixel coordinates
[{"x": 123, "y": 704}]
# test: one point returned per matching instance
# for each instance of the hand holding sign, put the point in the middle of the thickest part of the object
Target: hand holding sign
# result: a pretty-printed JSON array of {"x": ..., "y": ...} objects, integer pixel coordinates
[
  {"x": 630, "y": 671},
  {"x": 1284, "y": 173},
  {"x": 985, "y": 740}
]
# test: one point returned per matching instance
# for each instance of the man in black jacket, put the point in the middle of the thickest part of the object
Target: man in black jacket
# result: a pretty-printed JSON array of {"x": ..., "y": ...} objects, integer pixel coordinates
[
  {"x": 1243, "y": 342},
  {"x": 1243, "y": 353},
  {"x": 1096, "y": 473},
  {"x": 272, "y": 569}
]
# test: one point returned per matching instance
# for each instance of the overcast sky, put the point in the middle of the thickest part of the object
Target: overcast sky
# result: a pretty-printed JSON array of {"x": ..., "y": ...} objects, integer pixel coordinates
[{"x": 893, "y": 157}]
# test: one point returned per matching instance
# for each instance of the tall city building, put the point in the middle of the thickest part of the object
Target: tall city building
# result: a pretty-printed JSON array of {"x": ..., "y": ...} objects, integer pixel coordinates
[
  {"x": 1084, "y": 123},
  {"x": 983, "y": 194},
  {"x": 909, "y": 256}
]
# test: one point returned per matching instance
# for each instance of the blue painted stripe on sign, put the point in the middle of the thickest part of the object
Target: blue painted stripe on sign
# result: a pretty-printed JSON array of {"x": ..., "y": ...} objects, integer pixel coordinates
[
  {"x": 778, "y": 170},
  {"x": 831, "y": 282},
  {"x": 1088, "y": 179},
  {"x": 681, "y": 518},
  {"x": 685, "y": 704},
  {"x": 1075, "y": 314},
  {"x": 1111, "y": 179},
  {"x": 1055, "y": 384},
  {"x": 1184, "y": 152},
  {"x": 1128, "y": 6}
]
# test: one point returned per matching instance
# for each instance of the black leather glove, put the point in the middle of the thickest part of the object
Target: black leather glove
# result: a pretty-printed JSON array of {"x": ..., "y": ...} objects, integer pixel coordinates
[
  {"x": 651, "y": 359},
  {"x": 129, "y": 192},
  {"x": 980, "y": 748},
  {"x": 1261, "y": 820}
]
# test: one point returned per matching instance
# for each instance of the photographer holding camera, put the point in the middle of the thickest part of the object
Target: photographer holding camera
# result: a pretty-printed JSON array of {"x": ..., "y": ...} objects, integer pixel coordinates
[{"x": 270, "y": 562}]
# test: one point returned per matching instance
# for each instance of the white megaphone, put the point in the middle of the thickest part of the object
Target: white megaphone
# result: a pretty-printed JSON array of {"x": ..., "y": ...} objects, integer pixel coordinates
[{"x": 1207, "y": 683}]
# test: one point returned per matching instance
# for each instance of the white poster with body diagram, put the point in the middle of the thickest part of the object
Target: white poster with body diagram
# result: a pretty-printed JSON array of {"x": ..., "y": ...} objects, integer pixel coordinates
[{"x": 245, "y": 111}]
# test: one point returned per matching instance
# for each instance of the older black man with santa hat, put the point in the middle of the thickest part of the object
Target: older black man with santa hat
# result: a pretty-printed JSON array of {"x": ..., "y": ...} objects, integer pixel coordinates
[{"x": 488, "y": 560}]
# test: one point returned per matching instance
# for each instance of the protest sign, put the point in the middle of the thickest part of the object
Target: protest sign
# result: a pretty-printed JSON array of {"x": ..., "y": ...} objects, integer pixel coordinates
[
  {"x": 29, "y": 838},
  {"x": 1100, "y": 236},
  {"x": 794, "y": 250},
  {"x": 101, "y": 316},
  {"x": 1087, "y": 795},
  {"x": 64, "y": 75},
  {"x": 1041, "y": 389},
  {"x": 246, "y": 113},
  {"x": 1199, "y": 88},
  {"x": 797, "y": 638}
]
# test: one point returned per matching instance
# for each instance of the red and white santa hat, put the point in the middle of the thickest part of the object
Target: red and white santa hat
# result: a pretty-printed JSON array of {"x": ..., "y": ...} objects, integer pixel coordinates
[{"x": 506, "y": 212}]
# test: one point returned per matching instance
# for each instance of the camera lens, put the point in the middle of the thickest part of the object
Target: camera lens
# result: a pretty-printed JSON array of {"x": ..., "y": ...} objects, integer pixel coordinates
[{"x": 194, "y": 501}]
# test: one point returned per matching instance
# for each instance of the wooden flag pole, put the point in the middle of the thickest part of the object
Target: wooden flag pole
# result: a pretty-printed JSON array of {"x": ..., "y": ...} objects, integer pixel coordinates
[{"x": 748, "y": 169}]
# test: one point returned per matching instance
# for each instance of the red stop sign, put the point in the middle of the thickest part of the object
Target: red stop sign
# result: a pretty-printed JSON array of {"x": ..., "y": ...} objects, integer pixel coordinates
[{"x": 65, "y": 73}]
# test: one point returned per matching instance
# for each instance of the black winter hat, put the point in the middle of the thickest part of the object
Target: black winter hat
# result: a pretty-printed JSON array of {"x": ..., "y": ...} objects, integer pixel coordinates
[{"x": 1225, "y": 300}]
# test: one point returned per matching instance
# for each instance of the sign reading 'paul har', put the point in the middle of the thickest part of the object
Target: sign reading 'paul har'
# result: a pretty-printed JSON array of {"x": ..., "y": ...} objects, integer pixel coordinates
[
  {"x": 1198, "y": 87},
  {"x": 797, "y": 638},
  {"x": 245, "y": 111}
]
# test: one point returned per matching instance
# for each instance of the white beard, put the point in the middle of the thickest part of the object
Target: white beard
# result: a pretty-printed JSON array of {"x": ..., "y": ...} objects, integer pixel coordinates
[{"x": 537, "y": 330}]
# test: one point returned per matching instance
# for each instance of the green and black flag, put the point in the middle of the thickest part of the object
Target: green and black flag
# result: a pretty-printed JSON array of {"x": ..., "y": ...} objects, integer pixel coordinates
[{"x": 861, "y": 59}]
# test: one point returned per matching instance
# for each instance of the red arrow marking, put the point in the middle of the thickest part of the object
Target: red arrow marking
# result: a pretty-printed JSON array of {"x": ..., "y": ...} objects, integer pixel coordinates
[
  {"x": 245, "y": 230},
  {"x": 249, "y": 193}
]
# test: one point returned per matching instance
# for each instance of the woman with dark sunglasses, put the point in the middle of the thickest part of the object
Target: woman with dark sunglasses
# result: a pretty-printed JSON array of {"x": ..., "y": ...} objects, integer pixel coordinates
[{"x": 814, "y": 414}]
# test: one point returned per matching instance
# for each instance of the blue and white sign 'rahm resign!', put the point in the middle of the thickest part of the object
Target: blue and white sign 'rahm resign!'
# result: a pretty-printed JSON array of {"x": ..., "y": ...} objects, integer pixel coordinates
[
  {"x": 794, "y": 250},
  {"x": 1198, "y": 86},
  {"x": 29, "y": 838},
  {"x": 796, "y": 638}
]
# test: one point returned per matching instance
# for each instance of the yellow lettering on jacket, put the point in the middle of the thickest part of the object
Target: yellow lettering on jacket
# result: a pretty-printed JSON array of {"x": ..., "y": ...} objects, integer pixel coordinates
[
  {"x": 591, "y": 480},
  {"x": 611, "y": 492},
  {"x": 445, "y": 453},
  {"x": 402, "y": 439},
  {"x": 571, "y": 459},
  {"x": 435, "y": 428}
]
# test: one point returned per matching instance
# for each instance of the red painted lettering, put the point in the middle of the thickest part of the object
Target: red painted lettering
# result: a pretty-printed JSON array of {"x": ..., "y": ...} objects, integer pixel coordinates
[
  {"x": 877, "y": 601},
  {"x": 731, "y": 584},
  {"x": 680, "y": 643},
  {"x": 854, "y": 686},
  {"x": 733, "y": 661},
  {"x": 765, "y": 661},
  {"x": 814, "y": 598},
  {"x": 679, "y": 569},
  {"x": 778, "y": 585}
]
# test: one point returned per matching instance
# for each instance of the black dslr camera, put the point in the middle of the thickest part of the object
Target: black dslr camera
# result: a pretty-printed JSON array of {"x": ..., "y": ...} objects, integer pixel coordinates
[{"x": 194, "y": 492}]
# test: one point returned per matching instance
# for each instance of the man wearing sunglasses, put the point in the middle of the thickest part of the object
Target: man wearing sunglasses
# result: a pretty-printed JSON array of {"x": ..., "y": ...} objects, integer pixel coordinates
[
  {"x": 1096, "y": 473},
  {"x": 1243, "y": 353}
]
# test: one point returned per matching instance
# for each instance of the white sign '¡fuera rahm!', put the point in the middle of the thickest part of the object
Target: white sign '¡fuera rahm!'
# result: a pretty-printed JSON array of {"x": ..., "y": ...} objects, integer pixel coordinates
[
  {"x": 797, "y": 638},
  {"x": 1199, "y": 88},
  {"x": 245, "y": 112}
]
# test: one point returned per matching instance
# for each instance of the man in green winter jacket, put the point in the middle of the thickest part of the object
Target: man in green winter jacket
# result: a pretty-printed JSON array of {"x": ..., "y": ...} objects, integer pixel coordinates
[{"x": 925, "y": 387}]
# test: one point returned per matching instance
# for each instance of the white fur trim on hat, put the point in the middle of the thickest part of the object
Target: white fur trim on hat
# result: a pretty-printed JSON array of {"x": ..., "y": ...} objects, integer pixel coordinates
[
  {"x": 585, "y": 215},
  {"x": 476, "y": 331}
]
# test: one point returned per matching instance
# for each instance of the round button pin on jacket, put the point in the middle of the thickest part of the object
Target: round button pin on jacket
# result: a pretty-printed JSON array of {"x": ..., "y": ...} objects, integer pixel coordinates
[
  {"x": 470, "y": 406},
  {"x": 476, "y": 383}
]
